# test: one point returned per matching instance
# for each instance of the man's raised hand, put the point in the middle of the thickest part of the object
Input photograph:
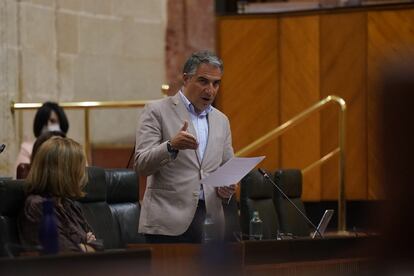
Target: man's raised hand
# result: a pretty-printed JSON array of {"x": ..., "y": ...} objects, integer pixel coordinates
[{"x": 183, "y": 139}]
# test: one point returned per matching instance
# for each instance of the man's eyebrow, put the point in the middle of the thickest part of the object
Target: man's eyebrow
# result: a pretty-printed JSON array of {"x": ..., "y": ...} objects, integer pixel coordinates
[{"x": 205, "y": 78}]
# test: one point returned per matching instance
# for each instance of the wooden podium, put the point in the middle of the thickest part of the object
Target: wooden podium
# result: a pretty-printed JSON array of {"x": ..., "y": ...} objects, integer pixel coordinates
[{"x": 330, "y": 256}]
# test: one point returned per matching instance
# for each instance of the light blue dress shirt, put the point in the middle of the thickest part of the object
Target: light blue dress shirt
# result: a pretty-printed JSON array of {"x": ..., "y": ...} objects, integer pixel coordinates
[{"x": 200, "y": 124}]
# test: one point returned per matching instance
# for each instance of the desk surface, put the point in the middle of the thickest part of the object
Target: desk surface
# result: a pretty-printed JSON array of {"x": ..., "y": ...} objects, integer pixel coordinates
[{"x": 125, "y": 262}]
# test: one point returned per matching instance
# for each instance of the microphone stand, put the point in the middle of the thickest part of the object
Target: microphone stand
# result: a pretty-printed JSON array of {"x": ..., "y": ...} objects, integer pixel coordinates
[{"x": 265, "y": 175}]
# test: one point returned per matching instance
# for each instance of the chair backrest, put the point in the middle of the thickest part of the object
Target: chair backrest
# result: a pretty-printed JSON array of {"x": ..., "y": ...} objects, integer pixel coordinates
[
  {"x": 256, "y": 194},
  {"x": 110, "y": 206},
  {"x": 12, "y": 197},
  {"x": 22, "y": 170},
  {"x": 96, "y": 210},
  {"x": 290, "y": 181},
  {"x": 122, "y": 197},
  {"x": 231, "y": 216}
]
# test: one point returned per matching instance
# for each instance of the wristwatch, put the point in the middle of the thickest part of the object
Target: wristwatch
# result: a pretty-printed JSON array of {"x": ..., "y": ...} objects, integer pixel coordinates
[{"x": 172, "y": 150}]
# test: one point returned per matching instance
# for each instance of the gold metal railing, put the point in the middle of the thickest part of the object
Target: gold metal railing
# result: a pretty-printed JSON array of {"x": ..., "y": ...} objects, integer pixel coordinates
[
  {"x": 278, "y": 131},
  {"x": 86, "y": 106}
]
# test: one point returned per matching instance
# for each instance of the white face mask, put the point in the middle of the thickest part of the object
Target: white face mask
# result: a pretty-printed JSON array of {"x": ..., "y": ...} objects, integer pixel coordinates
[{"x": 51, "y": 127}]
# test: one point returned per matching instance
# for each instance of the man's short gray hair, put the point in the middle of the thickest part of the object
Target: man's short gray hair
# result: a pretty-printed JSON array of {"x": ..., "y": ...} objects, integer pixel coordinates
[{"x": 197, "y": 58}]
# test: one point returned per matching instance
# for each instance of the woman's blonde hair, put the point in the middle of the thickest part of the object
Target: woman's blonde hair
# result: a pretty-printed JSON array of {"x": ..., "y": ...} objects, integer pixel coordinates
[{"x": 58, "y": 169}]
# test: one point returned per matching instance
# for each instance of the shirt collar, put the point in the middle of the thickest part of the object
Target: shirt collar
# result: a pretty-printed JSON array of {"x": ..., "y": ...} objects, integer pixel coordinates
[{"x": 190, "y": 106}]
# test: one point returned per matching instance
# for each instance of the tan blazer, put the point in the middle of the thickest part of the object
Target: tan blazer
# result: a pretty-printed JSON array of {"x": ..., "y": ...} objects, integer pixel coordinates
[{"x": 173, "y": 186}]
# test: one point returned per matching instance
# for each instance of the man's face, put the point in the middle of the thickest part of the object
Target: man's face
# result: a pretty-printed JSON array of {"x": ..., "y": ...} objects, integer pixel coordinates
[{"x": 202, "y": 87}]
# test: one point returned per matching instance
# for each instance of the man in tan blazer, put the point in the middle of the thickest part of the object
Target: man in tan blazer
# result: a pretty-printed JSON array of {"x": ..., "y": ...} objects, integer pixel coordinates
[{"x": 179, "y": 141}]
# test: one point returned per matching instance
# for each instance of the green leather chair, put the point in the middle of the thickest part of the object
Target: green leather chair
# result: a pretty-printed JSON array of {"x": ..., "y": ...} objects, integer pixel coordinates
[
  {"x": 256, "y": 194},
  {"x": 291, "y": 221}
]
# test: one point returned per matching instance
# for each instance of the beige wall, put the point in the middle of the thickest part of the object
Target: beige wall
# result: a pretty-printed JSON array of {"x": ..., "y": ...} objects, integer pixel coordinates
[{"x": 79, "y": 50}]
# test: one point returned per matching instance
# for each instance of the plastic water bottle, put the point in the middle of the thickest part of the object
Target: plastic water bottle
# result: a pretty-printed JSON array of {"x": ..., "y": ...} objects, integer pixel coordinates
[
  {"x": 256, "y": 227},
  {"x": 208, "y": 230},
  {"x": 48, "y": 234},
  {"x": 241, "y": 6}
]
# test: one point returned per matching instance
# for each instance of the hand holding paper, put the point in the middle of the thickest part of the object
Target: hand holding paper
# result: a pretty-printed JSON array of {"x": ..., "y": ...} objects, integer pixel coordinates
[{"x": 232, "y": 171}]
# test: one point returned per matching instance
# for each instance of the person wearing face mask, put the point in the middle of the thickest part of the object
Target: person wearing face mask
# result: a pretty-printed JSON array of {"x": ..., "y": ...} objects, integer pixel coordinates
[{"x": 49, "y": 117}]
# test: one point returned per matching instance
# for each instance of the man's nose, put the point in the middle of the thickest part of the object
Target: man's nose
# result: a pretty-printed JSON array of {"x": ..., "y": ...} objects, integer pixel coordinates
[
  {"x": 210, "y": 90},
  {"x": 211, "y": 87}
]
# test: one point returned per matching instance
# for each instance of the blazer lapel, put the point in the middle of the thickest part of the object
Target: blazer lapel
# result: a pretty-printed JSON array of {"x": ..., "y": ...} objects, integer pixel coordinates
[
  {"x": 184, "y": 115},
  {"x": 180, "y": 109},
  {"x": 212, "y": 126}
]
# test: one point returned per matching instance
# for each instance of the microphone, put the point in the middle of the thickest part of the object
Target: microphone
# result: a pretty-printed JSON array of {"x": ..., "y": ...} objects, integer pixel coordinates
[
  {"x": 265, "y": 175},
  {"x": 2, "y": 147}
]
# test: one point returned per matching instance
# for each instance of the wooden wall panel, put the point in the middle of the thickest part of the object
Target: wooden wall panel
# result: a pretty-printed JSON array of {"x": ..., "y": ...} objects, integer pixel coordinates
[
  {"x": 390, "y": 37},
  {"x": 249, "y": 90},
  {"x": 299, "y": 89},
  {"x": 278, "y": 65},
  {"x": 343, "y": 73}
]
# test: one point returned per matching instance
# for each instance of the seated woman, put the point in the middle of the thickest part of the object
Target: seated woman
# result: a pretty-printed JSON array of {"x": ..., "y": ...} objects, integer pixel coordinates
[
  {"x": 58, "y": 172},
  {"x": 49, "y": 117}
]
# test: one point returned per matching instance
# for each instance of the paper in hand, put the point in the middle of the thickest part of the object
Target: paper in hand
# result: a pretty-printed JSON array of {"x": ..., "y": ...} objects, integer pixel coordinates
[{"x": 232, "y": 171}]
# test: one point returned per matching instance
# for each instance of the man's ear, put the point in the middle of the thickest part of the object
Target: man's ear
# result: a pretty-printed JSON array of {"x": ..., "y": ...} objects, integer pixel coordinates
[{"x": 186, "y": 77}]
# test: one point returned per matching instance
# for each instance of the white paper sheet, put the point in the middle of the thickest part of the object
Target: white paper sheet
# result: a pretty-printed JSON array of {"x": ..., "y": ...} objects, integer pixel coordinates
[{"x": 232, "y": 171}]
